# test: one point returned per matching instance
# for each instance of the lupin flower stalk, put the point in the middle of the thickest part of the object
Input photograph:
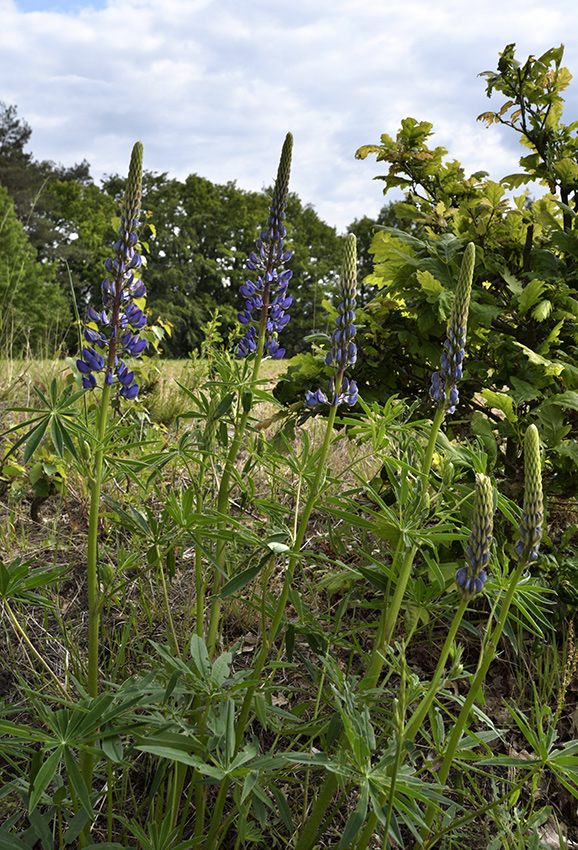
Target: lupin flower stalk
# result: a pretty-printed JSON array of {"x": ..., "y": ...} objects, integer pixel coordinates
[
  {"x": 344, "y": 351},
  {"x": 533, "y": 511},
  {"x": 444, "y": 389},
  {"x": 268, "y": 294},
  {"x": 112, "y": 333},
  {"x": 527, "y": 551},
  {"x": 471, "y": 578}
]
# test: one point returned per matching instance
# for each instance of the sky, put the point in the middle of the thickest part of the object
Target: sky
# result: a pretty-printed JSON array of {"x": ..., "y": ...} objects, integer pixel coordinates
[{"x": 212, "y": 86}]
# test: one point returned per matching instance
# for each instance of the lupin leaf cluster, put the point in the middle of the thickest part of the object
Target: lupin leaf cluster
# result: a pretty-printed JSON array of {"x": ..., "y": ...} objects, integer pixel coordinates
[
  {"x": 471, "y": 578},
  {"x": 533, "y": 510},
  {"x": 267, "y": 295},
  {"x": 344, "y": 351},
  {"x": 444, "y": 389},
  {"x": 112, "y": 333}
]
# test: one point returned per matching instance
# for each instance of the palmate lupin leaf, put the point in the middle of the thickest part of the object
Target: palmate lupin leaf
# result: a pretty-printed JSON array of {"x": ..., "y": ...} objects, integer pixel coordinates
[
  {"x": 267, "y": 295},
  {"x": 344, "y": 351},
  {"x": 470, "y": 579},
  {"x": 444, "y": 389},
  {"x": 533, "y": 510}
]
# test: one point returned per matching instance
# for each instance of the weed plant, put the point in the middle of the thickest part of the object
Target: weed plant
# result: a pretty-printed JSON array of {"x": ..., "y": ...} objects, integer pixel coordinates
[{"x": 247, "y": 625}]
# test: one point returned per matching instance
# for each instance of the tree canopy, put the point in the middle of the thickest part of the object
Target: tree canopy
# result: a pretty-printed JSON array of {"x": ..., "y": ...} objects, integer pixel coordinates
[{"x": 199, "y": 236}]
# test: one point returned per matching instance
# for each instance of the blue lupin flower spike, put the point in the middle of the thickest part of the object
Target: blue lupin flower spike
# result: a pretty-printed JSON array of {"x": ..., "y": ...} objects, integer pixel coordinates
[
  {"x": 114, "y": 330},
  {"x": 444, "y": 389},
  {"x": 344, "y": 351},
  {"x": 268, "y": 294},
  {"x": 533, "y": 511},
  {"x": 471, "y": 578}
]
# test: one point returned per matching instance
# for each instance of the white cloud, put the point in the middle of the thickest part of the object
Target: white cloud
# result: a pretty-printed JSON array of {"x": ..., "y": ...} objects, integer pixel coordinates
[{"x": 212, "y": 86}]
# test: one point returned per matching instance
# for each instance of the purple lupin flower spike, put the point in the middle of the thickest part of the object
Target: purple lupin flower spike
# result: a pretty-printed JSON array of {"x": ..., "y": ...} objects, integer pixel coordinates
[
  {"x": 268, "y": 294},
  {"x": 114, "y": 331},
  {"x": 344, "y": 351},
  {"x": 444, "y": 381},
  {"x": 471, "y": 578}
]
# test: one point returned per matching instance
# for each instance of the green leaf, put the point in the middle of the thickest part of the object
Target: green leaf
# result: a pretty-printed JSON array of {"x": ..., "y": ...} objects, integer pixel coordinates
[
  {"x": 200, "y": 656},
  {"x": 429, "y": 284},
  {"x": 549, "y": 367},
  {"x": 542, "y": 310},
  {"x": 76, "y": 781},
  {"x": 43, "y": 778},
  {"x": 530, "y": 295},
  {"x": 239, "y": 581},
  {"x": 11, "y": 842},
  {"x": 567, "y": 400},
  {"x": 482, "y": 428},
  {"x": 225, "y": 405},
  {"x": 501, "y": 401},
  {"x": 566, "y": 170},
  {"x": 33, "y": 439},
  {"x": 284, "y": 809}
]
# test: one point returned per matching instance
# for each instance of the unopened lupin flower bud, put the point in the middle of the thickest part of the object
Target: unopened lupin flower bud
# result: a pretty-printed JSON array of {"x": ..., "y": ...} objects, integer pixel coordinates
[
  {"x": 533, "y": 510},
  {"x": 444, "y": 389},
  {"x": 470, "y": 579},
  {"x": 344, "y": 350}
]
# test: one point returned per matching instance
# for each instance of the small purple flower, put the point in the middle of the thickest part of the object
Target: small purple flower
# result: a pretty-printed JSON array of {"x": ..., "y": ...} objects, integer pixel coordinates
[{"x": 117, "y": 325}]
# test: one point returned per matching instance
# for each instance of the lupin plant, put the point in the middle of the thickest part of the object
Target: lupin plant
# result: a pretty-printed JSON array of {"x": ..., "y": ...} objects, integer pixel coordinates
[
  {"x": 527, "y": 551},
  {"x": 344, "y": 351},
  {"x": 119, "y": 323},
  {"x": 446, "y": 397},
  {"x": 267, "y": 295}
]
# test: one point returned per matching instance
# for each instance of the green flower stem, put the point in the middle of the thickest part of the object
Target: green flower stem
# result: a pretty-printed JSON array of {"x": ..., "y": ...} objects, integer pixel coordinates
[
  {"x": 92, "y": 557},
  {"x": 86, "y": 758},
  {"x": 489, "y": 652},
  {"x": 293, "y": 558},
  {"x": 276, "y": 623},
  {"x": 419, "y": 714},
  {"x": 385, "y": 629},
  {"x": 390, "y": 611},
  {"x": 223, "y": 496}
]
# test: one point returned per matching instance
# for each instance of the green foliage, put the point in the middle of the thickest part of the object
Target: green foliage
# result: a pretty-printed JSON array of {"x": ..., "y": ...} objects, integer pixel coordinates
[
  {"x": 522, "y": 337},
  {"x": 34, "y": 312}
]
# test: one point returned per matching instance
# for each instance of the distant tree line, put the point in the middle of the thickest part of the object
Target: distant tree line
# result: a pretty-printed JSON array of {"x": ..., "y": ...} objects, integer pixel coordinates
[{"x": 57, "y": 225}]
